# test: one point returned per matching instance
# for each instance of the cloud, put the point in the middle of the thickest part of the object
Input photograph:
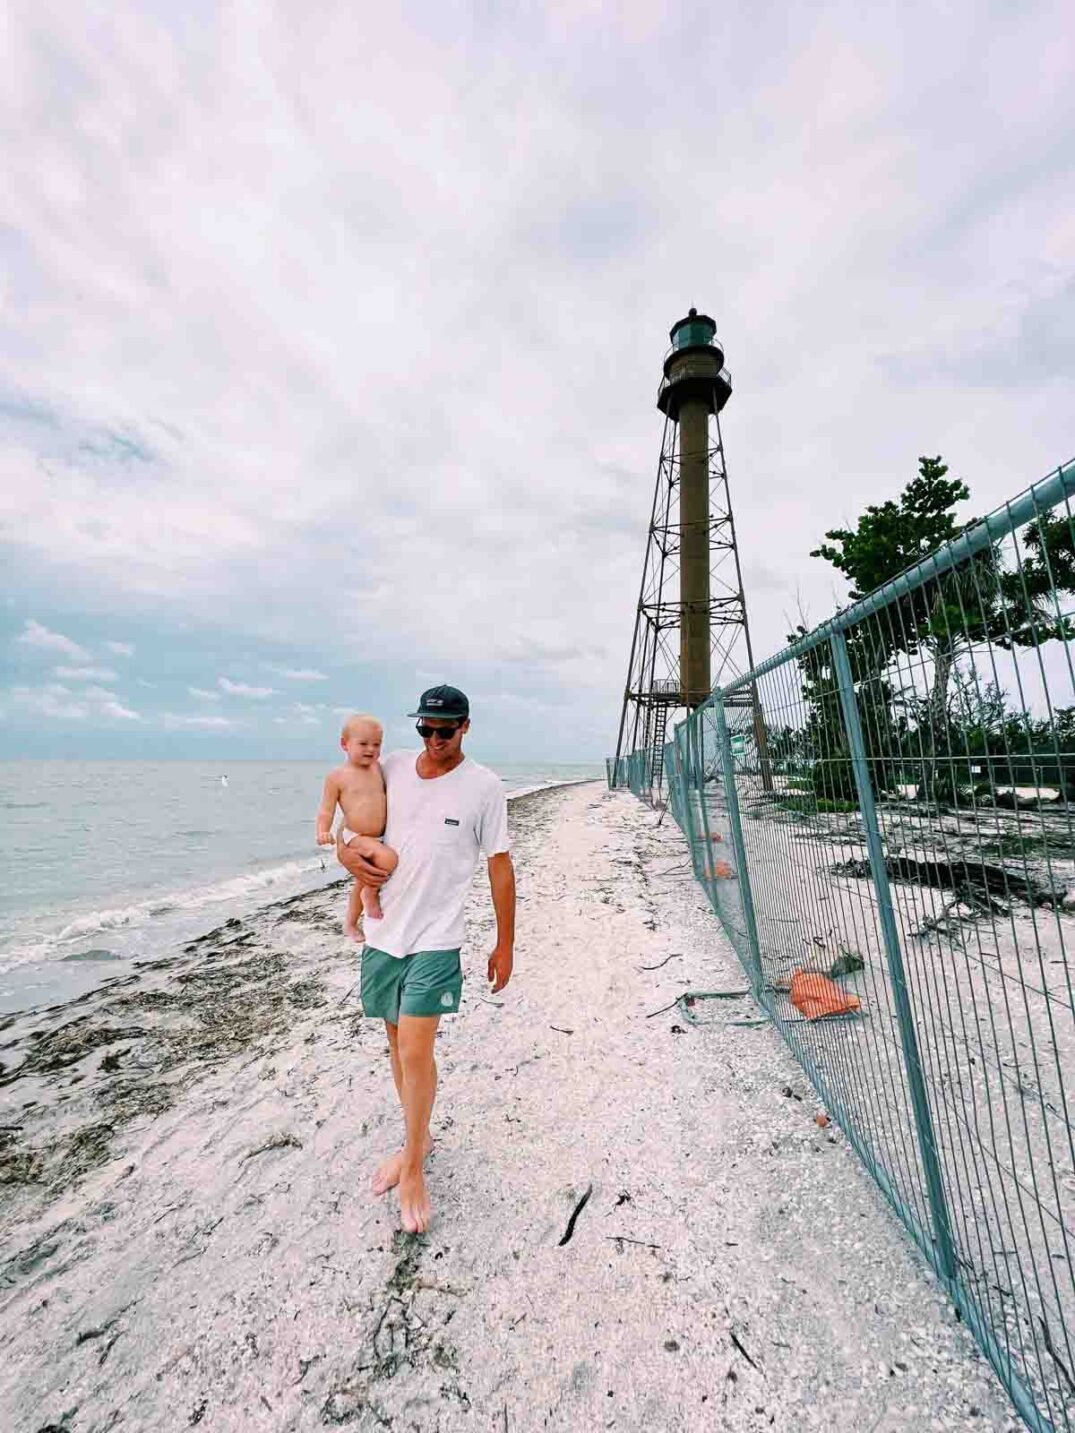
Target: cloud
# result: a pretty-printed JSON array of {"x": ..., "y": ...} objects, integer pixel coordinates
[
  {"x": 203, "y": 694},
  {"x": 184, "y": 721},
  {"x": 303, "y": 714},
  {"x": 301, "y": 674},
  {"x": 54, "y": 702},
  {"x": 58, "y": 703},
  {"x": 241, "y": 689},
  {"x": 116, "y": 709},
  {"x": 86, "y": 674},
  {"x": 35, "y": 635},
  {"x": 120, "y": 649},
  {"x": 215, "y": 428}
]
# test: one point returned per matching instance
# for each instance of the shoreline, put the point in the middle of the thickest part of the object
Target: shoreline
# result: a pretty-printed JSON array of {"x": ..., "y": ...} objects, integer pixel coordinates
[
  {"x": 38, "y": 984},
  {"x": 635, "y": 1221}
]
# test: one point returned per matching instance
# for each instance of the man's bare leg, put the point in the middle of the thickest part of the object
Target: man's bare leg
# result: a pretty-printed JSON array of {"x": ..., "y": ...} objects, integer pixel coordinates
[
  {"x": 416, "y": 1036},
  {"x": 386, "y": 1176}
]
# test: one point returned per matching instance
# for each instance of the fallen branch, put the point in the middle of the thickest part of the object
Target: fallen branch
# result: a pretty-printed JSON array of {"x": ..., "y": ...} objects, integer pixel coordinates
[
  {"x": 278, "y": 1141},
  {"x": 1056, "y": 1357},
  {"x": 678, "y": 956},
  {"x": 980, "y": 876},
  {"x": 579, "y": 1207},
  {"x": 434, "y": 1287},
  {"x": 743, "y": 1351}
]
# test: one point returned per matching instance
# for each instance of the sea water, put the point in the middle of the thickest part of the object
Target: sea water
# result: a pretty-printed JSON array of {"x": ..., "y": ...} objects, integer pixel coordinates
[{"x": 106, "y": 862}]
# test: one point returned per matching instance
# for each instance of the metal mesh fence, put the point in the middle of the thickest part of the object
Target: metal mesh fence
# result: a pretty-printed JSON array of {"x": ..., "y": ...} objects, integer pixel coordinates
[{"x": 882, "y": 813}]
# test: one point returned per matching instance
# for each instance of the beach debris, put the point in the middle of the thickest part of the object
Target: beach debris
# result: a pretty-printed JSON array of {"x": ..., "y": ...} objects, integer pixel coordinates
[
  {"x": 815, "y": 995},
  {"x": 284, "y": 1140},
  {"x": 719, "y": 871},
  {"x": 663, "y": 1008},
  {"x": 822, "y": 1121},
  {"x": 434, "y": 1286},
  {"x": 623, "y": 1239},
  {"x": 967, "y": 906},
  {"x": 690, "y": 998},
  {"x": 17, "y": 1165},
  {"x": 846, "y": 963},
  {"x": 560, "y": 1029},
  {"x": 678, "y": 955},
  {"x": 981, "y": 877},
  {"x": 678, "y": 1030},
  {"x": 579, "y": 1207},
  {"x": 1055, "y": 1356},
  {"x": 738, "y": 1344}
]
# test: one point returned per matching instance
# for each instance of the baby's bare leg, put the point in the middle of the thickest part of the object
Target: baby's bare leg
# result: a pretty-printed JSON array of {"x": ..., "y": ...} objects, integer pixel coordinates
[
  {"x": 351, "y": 927},
  {"x": 385, "y": 859}
]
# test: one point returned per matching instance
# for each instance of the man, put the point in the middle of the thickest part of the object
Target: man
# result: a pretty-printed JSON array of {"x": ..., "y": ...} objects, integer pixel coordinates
[{"x": 443, "y": 809}]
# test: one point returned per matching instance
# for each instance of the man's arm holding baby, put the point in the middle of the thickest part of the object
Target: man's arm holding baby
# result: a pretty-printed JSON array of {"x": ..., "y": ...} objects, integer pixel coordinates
[
  {"x": 364, "y": 871},
  {"x": 330, "y": 795}
]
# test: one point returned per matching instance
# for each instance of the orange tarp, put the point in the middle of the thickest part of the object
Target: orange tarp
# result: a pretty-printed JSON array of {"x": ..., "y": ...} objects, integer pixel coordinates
[
  {"x": 718, "y": 871},
  {"x": 816, "y": 995}
]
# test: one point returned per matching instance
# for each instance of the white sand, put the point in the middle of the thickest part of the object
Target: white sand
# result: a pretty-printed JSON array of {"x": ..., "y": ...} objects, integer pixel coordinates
[{"x": 733, "y": 1268}]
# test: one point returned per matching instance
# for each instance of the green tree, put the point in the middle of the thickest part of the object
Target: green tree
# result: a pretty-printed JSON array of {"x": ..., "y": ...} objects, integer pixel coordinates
[{"x": 944, "y": 617}]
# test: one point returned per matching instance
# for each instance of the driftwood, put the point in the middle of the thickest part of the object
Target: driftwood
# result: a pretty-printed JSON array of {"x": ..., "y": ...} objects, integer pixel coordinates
[{"x": 975, "y": 876}]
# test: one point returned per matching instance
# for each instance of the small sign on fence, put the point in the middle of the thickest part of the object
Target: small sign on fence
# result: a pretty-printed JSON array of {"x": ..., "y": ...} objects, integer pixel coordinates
[{"x": 739, "y": 745}]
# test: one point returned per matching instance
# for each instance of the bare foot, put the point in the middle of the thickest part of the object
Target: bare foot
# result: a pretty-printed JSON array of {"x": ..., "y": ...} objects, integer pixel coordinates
[
  {"x": 415, "y": 1210},
  {"x": 387, "y": 1174},
  {"x": 352, "y": 931}
]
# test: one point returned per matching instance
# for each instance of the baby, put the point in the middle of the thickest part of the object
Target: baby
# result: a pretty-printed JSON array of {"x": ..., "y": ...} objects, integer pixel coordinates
[{"x": 357, "y": 787}]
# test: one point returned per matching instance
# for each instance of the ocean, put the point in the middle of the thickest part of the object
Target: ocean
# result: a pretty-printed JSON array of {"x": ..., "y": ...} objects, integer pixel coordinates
[{"x": 107, "y": 862}]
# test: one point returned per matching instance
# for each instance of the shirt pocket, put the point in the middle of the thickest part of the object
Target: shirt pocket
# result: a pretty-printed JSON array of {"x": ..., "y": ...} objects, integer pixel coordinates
[{"x": 449, "y": 833}]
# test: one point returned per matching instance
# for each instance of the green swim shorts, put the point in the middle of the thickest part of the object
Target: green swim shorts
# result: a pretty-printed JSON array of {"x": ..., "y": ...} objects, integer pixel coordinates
[{"x": 429, "y": 982}]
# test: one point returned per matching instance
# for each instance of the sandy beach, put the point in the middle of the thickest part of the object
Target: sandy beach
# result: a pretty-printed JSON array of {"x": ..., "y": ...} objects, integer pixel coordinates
[{"x": 639, "y": 1222}]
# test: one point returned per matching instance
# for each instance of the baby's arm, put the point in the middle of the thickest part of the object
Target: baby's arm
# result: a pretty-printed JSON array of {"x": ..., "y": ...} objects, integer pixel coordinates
[{"x": 330, "y": 795}]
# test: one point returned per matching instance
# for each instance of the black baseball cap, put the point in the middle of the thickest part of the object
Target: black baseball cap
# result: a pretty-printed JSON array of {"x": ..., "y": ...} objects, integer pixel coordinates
[{"x": 443, "y": 701}]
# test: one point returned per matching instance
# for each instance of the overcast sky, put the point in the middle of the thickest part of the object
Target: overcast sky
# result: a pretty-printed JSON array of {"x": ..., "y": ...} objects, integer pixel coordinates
[{"x": 331, "y": 334}]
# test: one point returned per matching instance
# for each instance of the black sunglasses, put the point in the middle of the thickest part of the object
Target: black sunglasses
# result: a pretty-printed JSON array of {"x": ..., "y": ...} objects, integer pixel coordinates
[{"x": 444, "y": 732}]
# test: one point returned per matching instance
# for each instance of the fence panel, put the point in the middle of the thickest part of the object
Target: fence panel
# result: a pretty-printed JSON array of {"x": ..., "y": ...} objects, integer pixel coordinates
[{"x": 889, "y": 803}]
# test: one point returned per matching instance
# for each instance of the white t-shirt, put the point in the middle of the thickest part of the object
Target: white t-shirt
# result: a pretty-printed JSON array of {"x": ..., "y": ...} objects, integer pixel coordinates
[{"x": 437, "y": 827}]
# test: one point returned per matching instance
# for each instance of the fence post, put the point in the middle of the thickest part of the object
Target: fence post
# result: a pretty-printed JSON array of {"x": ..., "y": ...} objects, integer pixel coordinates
[
  {"x": 746, "y": 895},
  {"x": 879, "y": 870},
  {"x": 688, "y": 826}
]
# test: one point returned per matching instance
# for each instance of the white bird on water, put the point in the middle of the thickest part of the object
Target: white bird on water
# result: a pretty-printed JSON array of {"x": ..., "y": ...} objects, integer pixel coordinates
[{"x": 223, "y": 781}]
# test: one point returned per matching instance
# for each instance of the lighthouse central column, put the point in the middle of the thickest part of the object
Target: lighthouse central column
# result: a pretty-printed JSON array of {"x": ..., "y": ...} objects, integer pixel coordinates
[{"x": 694, "y": 556}]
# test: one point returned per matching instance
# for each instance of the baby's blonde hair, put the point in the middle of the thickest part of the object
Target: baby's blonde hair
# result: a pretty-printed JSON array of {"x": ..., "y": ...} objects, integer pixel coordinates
[{"x": 359, "y": 719}]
